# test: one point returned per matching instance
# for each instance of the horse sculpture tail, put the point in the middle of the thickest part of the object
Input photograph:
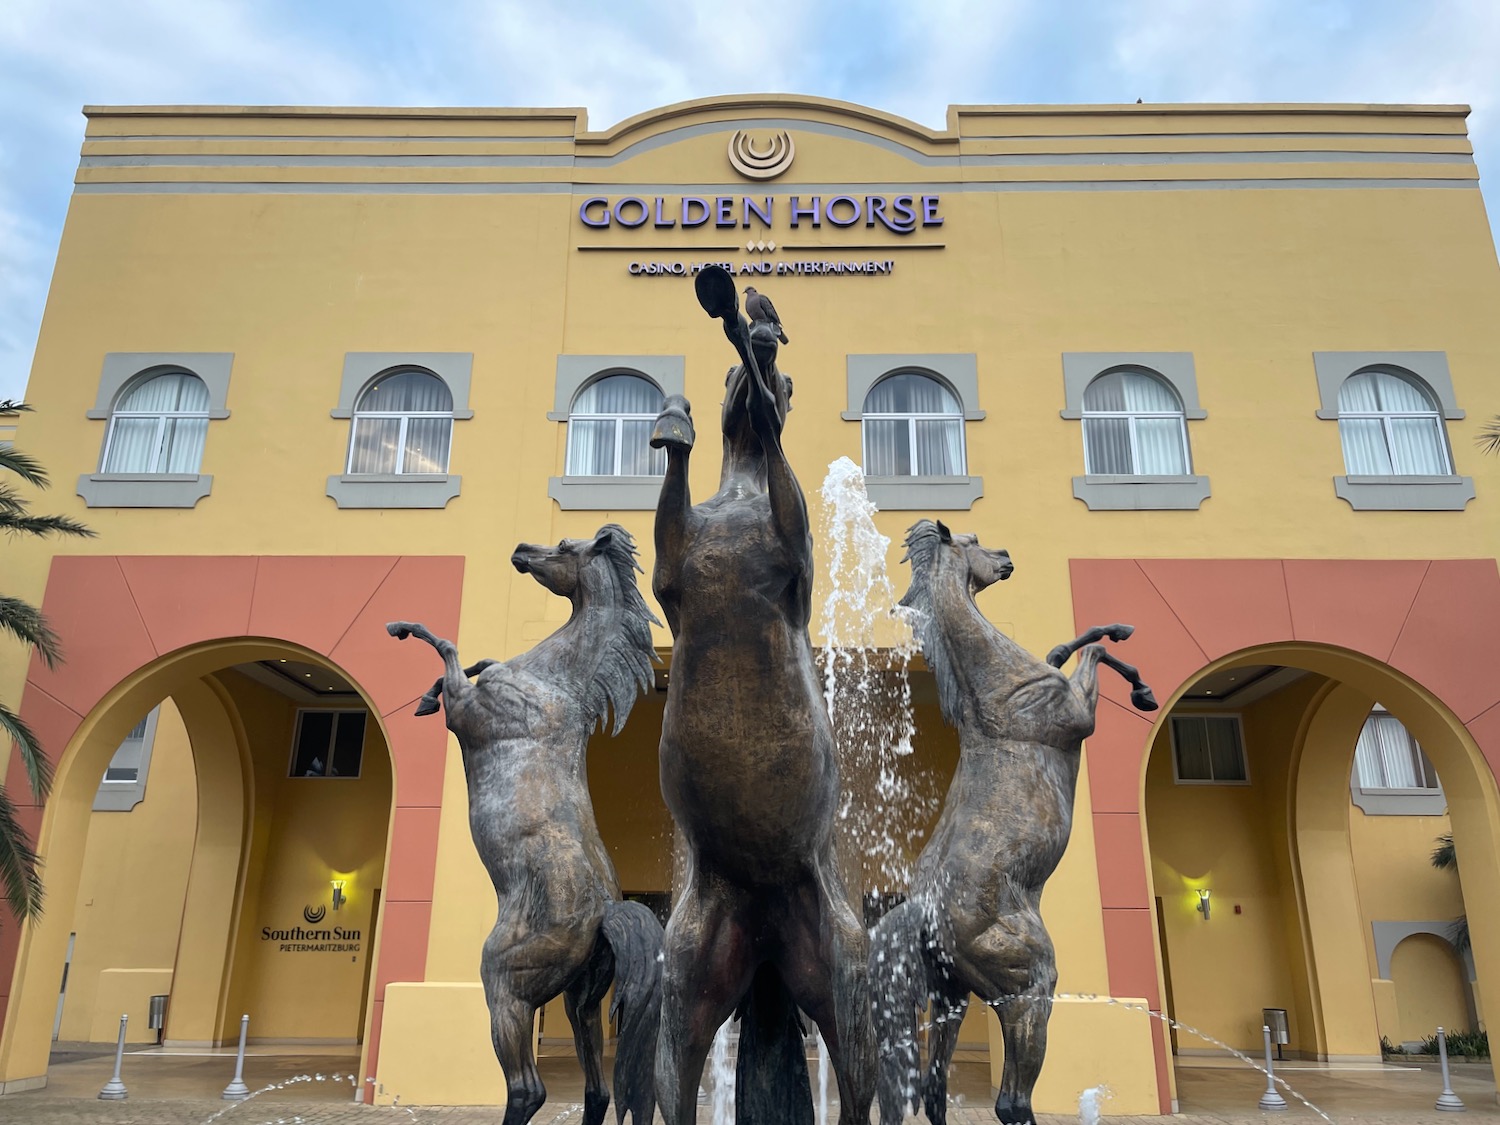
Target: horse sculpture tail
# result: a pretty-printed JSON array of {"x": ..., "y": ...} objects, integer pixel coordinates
[
  {"x": 635, "y": 938},
  {"x": 771, "y": 1081},
  {"x": 898, "y": 977}
]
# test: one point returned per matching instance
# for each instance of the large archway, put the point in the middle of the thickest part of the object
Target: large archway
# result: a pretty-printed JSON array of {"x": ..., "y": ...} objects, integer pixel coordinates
[
  {"x": 1404, "y": 633},
  {"x": 139, "y": 629}
]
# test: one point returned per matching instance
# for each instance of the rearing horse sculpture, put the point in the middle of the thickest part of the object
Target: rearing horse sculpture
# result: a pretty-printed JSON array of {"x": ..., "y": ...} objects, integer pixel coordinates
[
  {"x": 748, "y": 771},
  {"x": 562, "y": 928},
  {"x": 972, "y": 921}
]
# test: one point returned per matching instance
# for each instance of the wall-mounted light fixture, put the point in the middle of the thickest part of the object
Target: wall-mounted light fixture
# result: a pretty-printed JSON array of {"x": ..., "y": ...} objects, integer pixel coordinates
[
  {"x": 1203, "y": 896},
  {"x": 339, "y": 898}
]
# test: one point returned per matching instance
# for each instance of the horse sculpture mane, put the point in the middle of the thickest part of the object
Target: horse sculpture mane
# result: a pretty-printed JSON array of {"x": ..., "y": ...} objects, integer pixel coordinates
[
  {"x": 924, "y": 542},
  {"x": 624, "y": 665}
]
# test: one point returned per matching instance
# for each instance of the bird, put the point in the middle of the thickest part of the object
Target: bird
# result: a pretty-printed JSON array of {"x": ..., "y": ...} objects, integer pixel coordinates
[{"x": 758, "y": 308}]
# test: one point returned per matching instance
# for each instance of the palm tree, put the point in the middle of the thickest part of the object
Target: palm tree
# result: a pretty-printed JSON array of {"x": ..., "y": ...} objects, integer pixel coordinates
[
  {"x": 20, "y": 880},
  {"x": 1445, "y": 858},
  {"x": 1488, "y": 438}
]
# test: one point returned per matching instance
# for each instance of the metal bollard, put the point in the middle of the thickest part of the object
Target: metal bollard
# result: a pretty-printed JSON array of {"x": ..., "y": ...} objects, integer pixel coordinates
[
  {"x": 1447, "y": 1099},
  {"x": 114, "y": 1089},
  {"x": 237, "y": 1091},
  {"x": 1272, "y": 1098}
]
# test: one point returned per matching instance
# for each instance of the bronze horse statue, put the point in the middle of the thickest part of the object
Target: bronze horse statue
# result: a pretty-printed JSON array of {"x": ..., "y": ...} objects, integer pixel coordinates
[
  {"x": 762, "y": 923},
  {"x": 562, "y": 928},
  {"x": 972, "y": 921}
]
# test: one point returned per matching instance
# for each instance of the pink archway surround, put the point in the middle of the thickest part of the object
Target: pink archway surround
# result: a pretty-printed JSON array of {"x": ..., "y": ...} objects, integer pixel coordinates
[
  {"x": 1428, "y": 619},
  {"x": 115, "y": 614}
]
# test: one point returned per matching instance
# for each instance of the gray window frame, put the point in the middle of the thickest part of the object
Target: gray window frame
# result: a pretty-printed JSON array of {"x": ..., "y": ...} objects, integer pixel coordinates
[
  {"x": 1111, "y": 492},
  {"x": 959, "y": 371},
  {"x": 120, "y": 371},
  {"x": 609, "y": 493},
  {"x": 122, "y": 796},
  {"x": 332, "y": 736},
  {"x": 1375, "y": 800},
  {"x": 1397, "y": 492},
  {"x": 399, "y": 490},
  {"x": 1239, "y": 725}
]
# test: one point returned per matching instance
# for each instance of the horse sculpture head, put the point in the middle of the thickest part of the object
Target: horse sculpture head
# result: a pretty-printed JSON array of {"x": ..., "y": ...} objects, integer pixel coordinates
[
  {"x": 601, "y": 572},
  {"x": 929, "y": 544},
  {"x": 564, "y": 569}
]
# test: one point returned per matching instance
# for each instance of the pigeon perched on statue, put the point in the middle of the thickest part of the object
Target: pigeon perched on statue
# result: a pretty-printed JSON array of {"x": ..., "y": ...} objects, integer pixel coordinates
[{"x": 758, "y": 308}]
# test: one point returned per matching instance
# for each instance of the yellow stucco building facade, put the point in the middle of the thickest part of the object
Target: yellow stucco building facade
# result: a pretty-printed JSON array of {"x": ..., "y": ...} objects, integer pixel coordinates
[{"x": 1216, "y": 371}]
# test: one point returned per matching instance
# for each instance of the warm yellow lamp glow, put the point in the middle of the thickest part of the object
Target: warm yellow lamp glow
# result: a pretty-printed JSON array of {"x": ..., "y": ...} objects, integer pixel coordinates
[
  {"x": 339, "y": 898},
  {"x": 1203, "y": 896}
]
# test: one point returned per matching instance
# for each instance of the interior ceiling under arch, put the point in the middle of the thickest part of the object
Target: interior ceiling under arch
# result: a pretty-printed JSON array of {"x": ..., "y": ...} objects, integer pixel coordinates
[{"x": 300, "y": 680}]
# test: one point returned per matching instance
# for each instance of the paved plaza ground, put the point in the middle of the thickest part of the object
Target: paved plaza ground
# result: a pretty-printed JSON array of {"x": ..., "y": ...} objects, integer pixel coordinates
[{"x": 181, "y": 1088}]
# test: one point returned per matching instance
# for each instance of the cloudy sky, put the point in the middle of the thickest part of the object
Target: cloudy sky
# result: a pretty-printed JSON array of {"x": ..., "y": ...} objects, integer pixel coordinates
[{"x": 616, "y": 59}]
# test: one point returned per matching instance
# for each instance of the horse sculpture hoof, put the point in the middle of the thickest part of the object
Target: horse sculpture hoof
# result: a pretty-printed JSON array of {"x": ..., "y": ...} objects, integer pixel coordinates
[
  {"x": 427, "y": 705},
  {"x": 674, "y": 425},
  {"x": 1142, "y": 699},
  {"x": 1119, "y": 632}
]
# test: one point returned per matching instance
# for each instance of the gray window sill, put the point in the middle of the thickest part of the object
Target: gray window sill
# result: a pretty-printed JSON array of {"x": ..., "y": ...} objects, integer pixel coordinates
[
  {"x": 144, "y": 490},
  {"x": 916, "y": 494},
  {"x": 605, "y": 494},
  {"x": 1104, "y": 493},
  {"x": 1405, "y": 493},
  {"x": 382, "y": 490},
  {"x": 1399, "y": 802}
]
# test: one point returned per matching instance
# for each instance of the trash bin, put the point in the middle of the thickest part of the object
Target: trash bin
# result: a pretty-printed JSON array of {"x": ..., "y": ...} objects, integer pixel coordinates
[
  {"x": 1275, "y": 1019},
  {"x": 156, "y": 1018}
]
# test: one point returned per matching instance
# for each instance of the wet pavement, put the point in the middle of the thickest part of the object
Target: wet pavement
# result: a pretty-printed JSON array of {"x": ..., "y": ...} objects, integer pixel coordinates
[{"x": 182, "y": 1087}]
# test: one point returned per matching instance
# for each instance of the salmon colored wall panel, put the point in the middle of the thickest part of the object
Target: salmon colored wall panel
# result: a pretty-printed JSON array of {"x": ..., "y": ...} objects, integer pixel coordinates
[
  {"x": 184, "y": 599},
  {"x": 1456, "y": 615},
  {"x": 1109, "y": 590},
  {"x": 53, "y": 725},
  {"x": 94, "y": 614},
  {"x": 312, "y": 600},
  {"x": 1122, "y": 865},
  {"x": 1227, "y": 604},
  {"x": 419, "y": 750},
  {"x": 1130, "y": 949},
  {"x": 1486, "y": 731},
  {"x": 411, "y": 863},
  {"x": 394, "y": 671},
  {"x": 1361, "y": 606},
  {"x": 1121, "y": 736},
  {"x": 403, "y": 943}
]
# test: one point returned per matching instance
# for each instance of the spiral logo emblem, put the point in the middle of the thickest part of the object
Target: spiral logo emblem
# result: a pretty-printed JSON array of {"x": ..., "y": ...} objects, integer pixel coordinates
[
  {"x": 313, "y": 917},
  {"x": 761, "y": 159}
]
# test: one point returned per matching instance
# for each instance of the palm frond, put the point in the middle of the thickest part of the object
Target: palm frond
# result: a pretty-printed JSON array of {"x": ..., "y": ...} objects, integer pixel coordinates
[
  {"x": 25, "y": 622},
  {"x": 1488, "y": 438},
  {"x": 1444, "y": 857},
  {"x": 10, "y": 407},
  {"x": 1458, "y": 933},
  {"x": 25, "y": 466},
  {"x": 17, "y": 524},
  {"x": 36, "y": 763},
  {"x": 20, "y": 872}
]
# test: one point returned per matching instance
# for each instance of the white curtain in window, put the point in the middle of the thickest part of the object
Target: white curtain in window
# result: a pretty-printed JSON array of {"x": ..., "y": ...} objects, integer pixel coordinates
[
  {"x": 1386, "y": 757},
  {"x": 1159, "y": 445},
  {"x": 378, "y": 446},
  {"x": 151, "y": 442},
  {"x": 1396, "y": 443},
  {"x": 609, "y": 429},
  {"x": 910, "y": 444}
]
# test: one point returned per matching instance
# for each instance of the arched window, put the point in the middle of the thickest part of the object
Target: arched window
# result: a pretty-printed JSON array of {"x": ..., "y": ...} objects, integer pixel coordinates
[
  {"x": 1390, "y": 425},
  {"x": 158, "y": 425},
  {"x": 403, "y": 424},
  {"x": 913, "y": 427},
  {"x": 609, "y": 429},
  {"x": 1388, "y": 757},
  {"x": 1133, "y": 425}
]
